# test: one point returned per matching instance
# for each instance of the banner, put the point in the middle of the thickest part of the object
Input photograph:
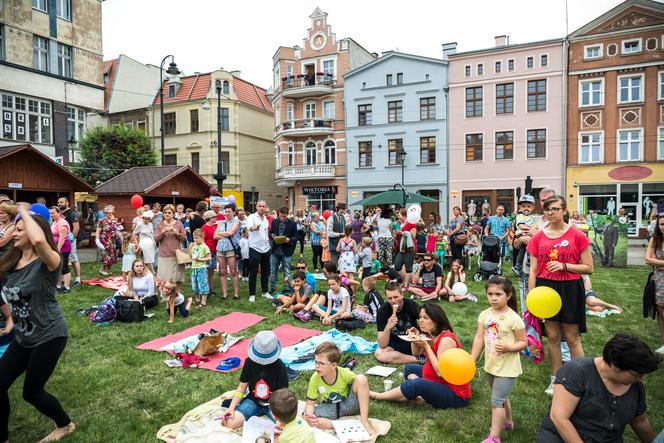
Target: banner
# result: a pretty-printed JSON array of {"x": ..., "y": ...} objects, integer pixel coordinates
[{"x": 608, "y": 240}]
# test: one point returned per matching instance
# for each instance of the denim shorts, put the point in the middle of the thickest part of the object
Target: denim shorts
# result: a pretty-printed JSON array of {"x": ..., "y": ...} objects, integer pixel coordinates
[
  {"x": 249, "y": 408},
  {"x": 212, "y": 264},
  {"x": 348, "y": 406}
]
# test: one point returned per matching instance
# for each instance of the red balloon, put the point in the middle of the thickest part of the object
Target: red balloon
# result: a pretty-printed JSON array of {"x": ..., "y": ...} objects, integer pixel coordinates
[
  {"x": 136, "y": 201},
  {"x": 326, "y": 214},
  {"x": 213, "y": 191}
]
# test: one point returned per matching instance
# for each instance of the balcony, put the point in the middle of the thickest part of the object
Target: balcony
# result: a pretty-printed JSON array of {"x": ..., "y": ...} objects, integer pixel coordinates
[
  {"x": 288, "y": 175},
  {"x": 306, "y": 127},
  {"x": 307, "y": 86}
]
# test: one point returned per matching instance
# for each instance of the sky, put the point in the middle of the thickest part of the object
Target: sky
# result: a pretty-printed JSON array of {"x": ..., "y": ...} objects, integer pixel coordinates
[{"x": 204, "y": 35}]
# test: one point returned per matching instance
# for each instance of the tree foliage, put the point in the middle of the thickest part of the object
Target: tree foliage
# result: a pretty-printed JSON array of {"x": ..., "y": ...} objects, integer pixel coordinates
[{"x": 107, "y": 152}]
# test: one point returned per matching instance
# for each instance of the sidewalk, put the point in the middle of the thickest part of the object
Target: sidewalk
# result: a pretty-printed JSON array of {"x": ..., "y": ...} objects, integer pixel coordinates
[{"x": 87, "y": 255}]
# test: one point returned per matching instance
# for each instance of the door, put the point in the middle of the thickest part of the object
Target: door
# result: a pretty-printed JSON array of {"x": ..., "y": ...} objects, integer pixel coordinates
[{"x": 630, "y": 213}]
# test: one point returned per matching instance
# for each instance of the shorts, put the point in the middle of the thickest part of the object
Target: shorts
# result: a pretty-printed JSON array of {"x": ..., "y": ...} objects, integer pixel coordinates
[
  {"x": 212, "y": 264},
  {"x": 199, "y": 281},
  {"x": 500, "y": 389},
  {"x": 226, "y": 254},
  {"x": 366, "y": 272},
  {"x": 404, "y": 258},
  {"x": 400, "y": 345},
  {"x": 348, "y": 406},
  {"x": 65, "y": 263},
  {"x": 424, "y": 289},
  {"x": 73, "y": 254},
  {"x": 249, "y": 408}
]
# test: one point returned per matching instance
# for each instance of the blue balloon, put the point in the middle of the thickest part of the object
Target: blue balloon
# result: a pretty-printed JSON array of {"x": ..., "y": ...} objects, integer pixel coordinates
[
  {"x": 42, "y": 210},
  {"x": 100, "y": 214}
]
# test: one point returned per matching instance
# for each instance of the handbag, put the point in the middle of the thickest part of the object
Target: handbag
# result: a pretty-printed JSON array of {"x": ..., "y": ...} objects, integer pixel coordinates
[
  {"x": 649, "y": 301},
  {"x": 461, "y": 239},
  {"x": 182, "y": 257},
  {"x": 209, "y": 344},
  {"x": 128, "y": 310},
  {"x": 238, "y": 251}
]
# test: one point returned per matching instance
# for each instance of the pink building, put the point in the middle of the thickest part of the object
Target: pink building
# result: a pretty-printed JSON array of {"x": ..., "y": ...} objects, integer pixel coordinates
[{"x": 506, "y": 114}]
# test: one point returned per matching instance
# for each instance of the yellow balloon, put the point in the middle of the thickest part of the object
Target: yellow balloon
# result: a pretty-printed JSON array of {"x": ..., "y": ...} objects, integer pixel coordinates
[
  {"x": 456, "y": 366},
  {"x": 543, "y": 302}
]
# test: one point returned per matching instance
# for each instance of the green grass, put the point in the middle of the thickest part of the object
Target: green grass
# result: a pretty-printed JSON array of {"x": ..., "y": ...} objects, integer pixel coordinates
[{"x": 114, "y": 392}]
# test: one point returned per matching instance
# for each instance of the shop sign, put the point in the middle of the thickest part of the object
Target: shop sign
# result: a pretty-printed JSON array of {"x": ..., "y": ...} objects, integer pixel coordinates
[
  {"x": 11, "y": 185},
  {"x": 308, "y": 190}
]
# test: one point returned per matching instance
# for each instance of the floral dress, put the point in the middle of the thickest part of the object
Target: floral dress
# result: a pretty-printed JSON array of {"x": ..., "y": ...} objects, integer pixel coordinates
[
  {"x": 346, "y": 256},
  {"x": 107, "y": 236},
  {"x": 659, "y": 280}
]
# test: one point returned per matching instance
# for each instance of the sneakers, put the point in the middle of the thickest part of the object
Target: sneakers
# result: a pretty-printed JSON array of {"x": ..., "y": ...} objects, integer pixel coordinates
[
  {"x": 252, "y": 298},
  {"x": 549, "y": 390},
  {"x": 660, "y": 350},
  {"x": 349, "y": 363},
  {"x": 267, "y": 295},
  {"x": 303, "y": 316},
  {"x": 77, "y": 282},
  {"x": 276, "y": 303},
  {"x": 472, "y": 298}
]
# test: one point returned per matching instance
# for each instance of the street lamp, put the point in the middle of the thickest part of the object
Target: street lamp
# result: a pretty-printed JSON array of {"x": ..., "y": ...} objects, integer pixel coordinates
[
  {"x": 172, "y": 71},
  {"x": 71, "y": 144},
  {"x": 220, "y": 176},
  {"x": 402, "y": 158}
]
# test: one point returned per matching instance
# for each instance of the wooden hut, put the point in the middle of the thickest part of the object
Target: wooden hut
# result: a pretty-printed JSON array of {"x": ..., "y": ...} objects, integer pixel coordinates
[{"x": 163, "y": 184}]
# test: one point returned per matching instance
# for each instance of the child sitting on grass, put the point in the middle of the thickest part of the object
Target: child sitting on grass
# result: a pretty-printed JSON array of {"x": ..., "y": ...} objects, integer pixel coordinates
[
  {"x": 174, "y": 300},
  {"x": 319, "y": 299},
  {"x": 283, "y": 404},
  {"x": 200, "y": 256},
  {"x": 372, "y": 302},
  {"x": 335, "y": 392},
  {"x": 456, "y": 275},
  {"x": 294, "y": 301},
  {"x": 338, "y": 302}
]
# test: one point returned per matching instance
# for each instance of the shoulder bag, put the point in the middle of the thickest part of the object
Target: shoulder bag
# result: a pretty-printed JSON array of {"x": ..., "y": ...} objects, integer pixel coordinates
[{"x": 649, "y": 304}]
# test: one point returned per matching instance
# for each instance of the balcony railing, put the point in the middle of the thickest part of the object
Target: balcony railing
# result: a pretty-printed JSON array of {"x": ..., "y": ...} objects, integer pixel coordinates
[
  {"x": 306, "y": 172},
  {"x": 306, "y": 126},
  {"x": 303, "y": 81}
]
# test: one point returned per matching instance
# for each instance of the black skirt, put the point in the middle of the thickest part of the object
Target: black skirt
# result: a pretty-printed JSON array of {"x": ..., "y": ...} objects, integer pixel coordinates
[{"x": 573, "y": 295}]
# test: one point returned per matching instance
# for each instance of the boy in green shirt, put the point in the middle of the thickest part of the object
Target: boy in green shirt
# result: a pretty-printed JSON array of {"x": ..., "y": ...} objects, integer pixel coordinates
[
  {"x": 338, "y": 391},
  {"x": 200, "y": 256},
  {"x": 283, "y": 404}
]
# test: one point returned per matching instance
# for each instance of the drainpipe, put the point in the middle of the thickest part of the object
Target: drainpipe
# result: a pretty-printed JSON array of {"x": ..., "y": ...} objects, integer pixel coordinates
[
  {"x": 565, "y": 57},
  {"x": 446, "y": 89}
]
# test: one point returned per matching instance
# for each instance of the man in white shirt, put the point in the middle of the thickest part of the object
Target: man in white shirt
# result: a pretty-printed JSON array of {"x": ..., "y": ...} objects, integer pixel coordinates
[{"x": 259, "y": 249}]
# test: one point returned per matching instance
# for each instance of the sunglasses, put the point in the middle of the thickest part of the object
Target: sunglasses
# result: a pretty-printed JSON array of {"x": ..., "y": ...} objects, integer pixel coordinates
[{"x": 301, "y": 268}]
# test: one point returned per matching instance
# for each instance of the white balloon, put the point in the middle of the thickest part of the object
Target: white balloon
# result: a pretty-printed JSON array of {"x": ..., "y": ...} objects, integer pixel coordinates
[
  {"x": 413, "y": 217},
  {"x": 460, "y": 288},
  {"x": 415, "y": 208}
]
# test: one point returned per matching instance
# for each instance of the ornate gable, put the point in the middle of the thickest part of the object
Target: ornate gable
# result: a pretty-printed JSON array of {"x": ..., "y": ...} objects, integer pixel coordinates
[
  {"x": 632, "y": 18},
  {"x": 320, "y": 38}
]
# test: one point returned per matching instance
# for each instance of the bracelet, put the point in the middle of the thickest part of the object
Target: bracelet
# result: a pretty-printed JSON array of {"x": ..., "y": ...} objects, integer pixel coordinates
[
  {"x": 238, "y": 394},
  {"x": 565, "y": 267}
]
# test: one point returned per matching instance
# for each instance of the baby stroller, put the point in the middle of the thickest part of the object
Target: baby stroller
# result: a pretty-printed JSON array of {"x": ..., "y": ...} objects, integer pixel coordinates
[{"x": 489, "y": 261}]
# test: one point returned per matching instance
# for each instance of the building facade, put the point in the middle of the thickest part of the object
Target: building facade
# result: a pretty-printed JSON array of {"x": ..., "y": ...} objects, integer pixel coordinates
[
  {"x": 50, "y": 73},
  {"x": 190, "y": 128},
  {"x": 309, "y": 122},
  {"x": 615, "y": 151},
  {"x": 506, "y": 122},
  {"x": 396, "y": 122}
]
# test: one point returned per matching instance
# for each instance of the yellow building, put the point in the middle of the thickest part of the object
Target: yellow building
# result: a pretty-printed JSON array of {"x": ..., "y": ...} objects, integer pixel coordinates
[{"x": 190, "y": 128}]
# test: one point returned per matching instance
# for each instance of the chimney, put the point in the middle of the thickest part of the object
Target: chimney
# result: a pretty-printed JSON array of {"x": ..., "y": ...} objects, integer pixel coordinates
[
  {"x": 449, "y": 49},
  {"x": 236, "y": 73},
  {"x": 502, "y": 40}
]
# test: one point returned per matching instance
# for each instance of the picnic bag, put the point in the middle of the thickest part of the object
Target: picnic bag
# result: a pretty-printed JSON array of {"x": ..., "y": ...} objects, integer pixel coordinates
[
  {"x": 534, "y": 351},
  {"x": 649, "y": 304},
  {"x": 105, "y": 313},
  {"x": 209, "y": 344},
  {"x": 128, "y": 309},
  {"x": 182, "y": 257}
]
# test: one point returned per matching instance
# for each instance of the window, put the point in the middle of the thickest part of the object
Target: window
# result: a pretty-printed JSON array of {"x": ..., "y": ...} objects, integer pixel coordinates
[
  {"x": 2, "y": 41},
  {"x": 536, "y": 140},
  {"x": 225, "y": 162},
  {"x": 510, "y": 65},
  {"x": 388, "y": 79},
  {"x": 328, "y": 68},
  {"x": 365, "y": 154},
  {"x": 394, "y": 147},
  {"x": 63, "y": 8},
  {"x": 544, "y": 60},
  {"x": 225, "y": 123},
  {"x": 529, "y": 62},
  {"x": 364, "y": 115},
  {"x": 428, "y": 108},
  {"x": 505, "y": 145},
  {"x": 40, "y": 53},
  {"x": 632, "y": 46},
  {"x": 330, "y": 153},
  {"x": 170, "y": 159},
  {"x": 399, "y": 78},
  {"x": 592, "y": 93},
  {"x": 592, "y": 51},
  {"x": 196, "y": 161},
  {"x": 629, "y": 145},
  {"x": 64, "y": 60},
  {"x": 289, "y": 111},
  {"x": 629, "y": 88},
  {"x": 474, "y": 102},
  {"x": 40, "y": 4},
  {"x": 225, "y": 87},
  {"x": 660, "y": 93},
  {"x": 591, "y": 147},
  {"x": 480, "y": 69},
  {"x": 427, "y": 150},
  {"x": 75, "y": 123},
  {"x": 536, "y": 95},
  {"x": 498, "y": 67},
  {"x": 467, "y": 71},
  {"x": 193, "y": 118},
  {"x": 394, "y": 111},
  {"x": 328, "y": 109},
  {"x": 169, "y": 123},
  {"x": 172, "y": 91},
  {"x": 505, "y": 98},
  {"x": 660, "y": 143},
  {"x": 474, "y": 147},
  {"x": 309, "y": 110},
  {"x": 291, "y": 154},
  {"x": 31, "y": 123},
  {"x": 310, "y": 153}
]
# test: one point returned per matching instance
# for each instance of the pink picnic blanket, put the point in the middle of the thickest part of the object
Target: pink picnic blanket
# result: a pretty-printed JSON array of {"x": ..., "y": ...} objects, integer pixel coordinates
[{"x": 114, "y": 283}]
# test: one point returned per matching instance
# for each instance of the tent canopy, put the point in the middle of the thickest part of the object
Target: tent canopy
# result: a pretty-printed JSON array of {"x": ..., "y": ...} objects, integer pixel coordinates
[{"x": 393, "y": 197}]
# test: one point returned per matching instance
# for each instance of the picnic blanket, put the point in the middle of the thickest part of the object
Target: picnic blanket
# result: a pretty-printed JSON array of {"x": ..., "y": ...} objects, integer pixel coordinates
[
  {"x": 602, "y": 314},
  {"x": 114, "y": 283},
  {"x": 201, "y": 425},
  {"x": 346, "y": 343}
]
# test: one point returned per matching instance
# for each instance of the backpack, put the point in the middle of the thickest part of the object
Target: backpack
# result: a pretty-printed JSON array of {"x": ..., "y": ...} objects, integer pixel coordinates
[
  {"x": 105, "y": 313},
  {"x": 373, "y": 301},
  {"x": 128, "y": 309},
  {"x": 534, "y": 351}
]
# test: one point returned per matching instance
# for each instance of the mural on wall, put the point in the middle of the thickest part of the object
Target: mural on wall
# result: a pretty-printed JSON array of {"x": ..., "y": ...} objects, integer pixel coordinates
[{"x": 608, "y": 240}]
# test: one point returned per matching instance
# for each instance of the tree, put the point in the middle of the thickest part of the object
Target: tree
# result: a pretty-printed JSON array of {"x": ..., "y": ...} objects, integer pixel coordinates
[{"x": 107, "y": 152}]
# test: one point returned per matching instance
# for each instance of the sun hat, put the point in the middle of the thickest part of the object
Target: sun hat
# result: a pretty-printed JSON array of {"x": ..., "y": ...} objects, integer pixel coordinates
[
  {"x": 148, "y": 215},
  {"x": 209, "y": 214},
  {"x": 265, "y": 348}
]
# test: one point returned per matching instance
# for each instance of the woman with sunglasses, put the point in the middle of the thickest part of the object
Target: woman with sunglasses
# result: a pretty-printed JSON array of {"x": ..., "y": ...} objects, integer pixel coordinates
[{"x": 559, "y": 256}]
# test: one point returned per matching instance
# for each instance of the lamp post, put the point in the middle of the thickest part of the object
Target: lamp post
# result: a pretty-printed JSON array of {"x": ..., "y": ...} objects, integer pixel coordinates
[
  {"x": 172, "y": 70},
  {"x": 220, "y": 176},
  {"x": 71, "y": 144},
  {"x": 402, "y": 158}
]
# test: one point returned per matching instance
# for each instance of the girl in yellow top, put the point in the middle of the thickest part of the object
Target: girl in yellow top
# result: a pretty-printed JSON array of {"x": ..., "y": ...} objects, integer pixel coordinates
[{"x": 502, "y": 332}]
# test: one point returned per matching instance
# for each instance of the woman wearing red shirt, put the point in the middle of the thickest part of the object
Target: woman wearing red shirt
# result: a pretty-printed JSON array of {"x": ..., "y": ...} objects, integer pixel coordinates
[
  {"x": 559, "y": 254},
  {"x": 424, "y": 383},
  {"x": 407, "y": 247}
]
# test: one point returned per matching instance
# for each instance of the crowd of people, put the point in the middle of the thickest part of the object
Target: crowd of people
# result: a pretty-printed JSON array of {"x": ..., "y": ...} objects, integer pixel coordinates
[{"x": 351, "y": 251}]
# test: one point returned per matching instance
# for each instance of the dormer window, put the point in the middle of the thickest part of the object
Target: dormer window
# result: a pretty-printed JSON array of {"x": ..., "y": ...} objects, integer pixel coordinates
[
  {"x": 225, "y": 87},
  {"x": 172, "y": 91}
]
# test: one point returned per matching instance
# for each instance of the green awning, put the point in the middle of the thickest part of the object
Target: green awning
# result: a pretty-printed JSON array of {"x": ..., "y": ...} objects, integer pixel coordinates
[{"x": 393, "y": 197}]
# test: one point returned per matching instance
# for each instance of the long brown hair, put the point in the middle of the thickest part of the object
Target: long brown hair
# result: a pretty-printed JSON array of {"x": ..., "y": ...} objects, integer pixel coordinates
[
  {"x": 658, "y": 236},
  {"x": 563, "y": 204},
  {"x": 9, "y": 260}
]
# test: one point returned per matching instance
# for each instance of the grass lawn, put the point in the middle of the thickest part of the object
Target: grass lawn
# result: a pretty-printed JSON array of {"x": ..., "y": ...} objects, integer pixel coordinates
[{"x": 114, "y": 392}]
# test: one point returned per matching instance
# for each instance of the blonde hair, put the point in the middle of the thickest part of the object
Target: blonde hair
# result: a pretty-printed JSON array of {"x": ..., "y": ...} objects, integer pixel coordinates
[
  {"x": 169, "y": 207},
  {"x": 131, "y": 275},
  {"x": 126, "y": 239},
  {"x": 8, "y": 209},
  {"x": 366, "y": 242}
]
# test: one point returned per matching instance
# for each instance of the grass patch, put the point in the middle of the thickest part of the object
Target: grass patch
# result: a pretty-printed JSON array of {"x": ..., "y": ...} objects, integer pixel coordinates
[{"x": 114, "y": 392}]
